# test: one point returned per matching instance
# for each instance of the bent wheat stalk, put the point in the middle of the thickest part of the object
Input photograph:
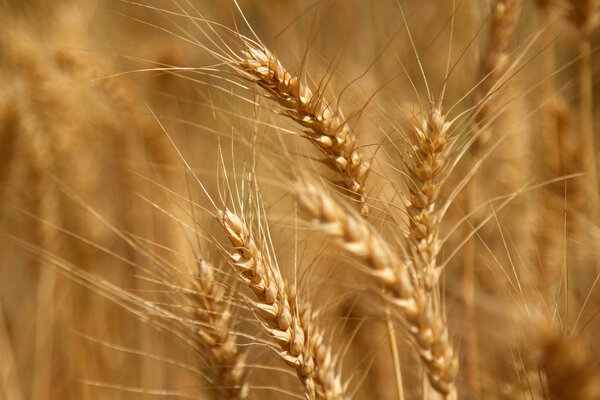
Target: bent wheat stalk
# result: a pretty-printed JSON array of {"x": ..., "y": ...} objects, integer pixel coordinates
[
  {"x": 288, "y": 319},
  {"x": 424, "y": 321},
  {"x": 326, "y": 128}
]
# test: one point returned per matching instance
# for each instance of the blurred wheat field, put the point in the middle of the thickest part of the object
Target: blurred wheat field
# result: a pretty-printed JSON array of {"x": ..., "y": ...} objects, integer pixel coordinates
[{"x": 362, "y": 199}]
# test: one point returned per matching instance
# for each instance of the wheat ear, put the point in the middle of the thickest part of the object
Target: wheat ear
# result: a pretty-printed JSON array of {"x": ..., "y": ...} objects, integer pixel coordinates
[
  {"x": 584, "y": 15},
  {"x": 213, "y": 334},
  {"x": 494, "y": 63},
  {"x": 426, "y": 167},
  {"x": 326, "y": 128},
  {"x": 425, "y": 324},
  {"x": 288, "y": 319}
]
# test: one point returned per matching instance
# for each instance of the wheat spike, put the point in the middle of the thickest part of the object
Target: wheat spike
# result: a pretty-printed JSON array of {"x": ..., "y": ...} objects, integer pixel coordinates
[
  {"x": 289, "y": 320},
  {"x": 214, "y": 321},
  {"x": 425, "y": 324},
  {"x": 426, "y": 167},
  {"x": 326, "y": 128},
  {"x": 494, "y": 63}
]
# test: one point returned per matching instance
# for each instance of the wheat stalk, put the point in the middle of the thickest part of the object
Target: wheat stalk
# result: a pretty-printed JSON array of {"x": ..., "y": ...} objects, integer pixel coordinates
[
  {"x": 288, "y": 319},
  {"x": 425, "y": 324}
]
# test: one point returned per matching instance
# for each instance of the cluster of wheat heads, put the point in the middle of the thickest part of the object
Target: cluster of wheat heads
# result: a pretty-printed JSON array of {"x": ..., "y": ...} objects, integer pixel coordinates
[{"x": 291, "y": 199}]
